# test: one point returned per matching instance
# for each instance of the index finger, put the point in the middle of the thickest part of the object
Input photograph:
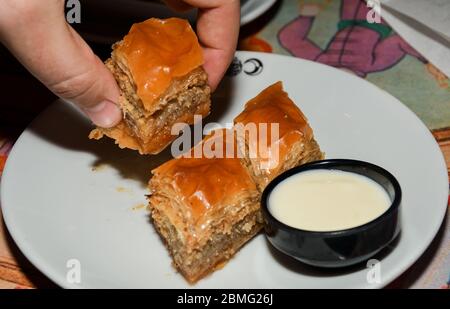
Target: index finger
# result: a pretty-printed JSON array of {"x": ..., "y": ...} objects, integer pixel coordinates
[{"x": 218, "y": 30}]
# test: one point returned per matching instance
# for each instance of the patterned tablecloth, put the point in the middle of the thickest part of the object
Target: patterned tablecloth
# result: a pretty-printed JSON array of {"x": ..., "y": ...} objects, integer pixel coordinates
[{"x": 333, "y": 32}]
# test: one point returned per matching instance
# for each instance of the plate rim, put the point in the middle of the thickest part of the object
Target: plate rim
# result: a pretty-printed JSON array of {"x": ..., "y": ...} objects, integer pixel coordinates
[
  {"x": 47, "y": 270},
  {"x": 251, "y": 16}
]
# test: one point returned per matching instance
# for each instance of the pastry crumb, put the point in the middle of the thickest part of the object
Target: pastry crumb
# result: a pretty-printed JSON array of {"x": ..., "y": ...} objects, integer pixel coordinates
[
  {"x": 99, "y": 167},
  {"x": 123, "y": 190},
  {"x": 139, "y": 206}
]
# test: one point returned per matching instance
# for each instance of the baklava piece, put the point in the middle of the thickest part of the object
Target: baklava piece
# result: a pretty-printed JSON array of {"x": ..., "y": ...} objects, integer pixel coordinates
[
  {"x": 205, "y": 207},
  {"x": 270, "y": 150},
  {"x": 158, "y": 67}
]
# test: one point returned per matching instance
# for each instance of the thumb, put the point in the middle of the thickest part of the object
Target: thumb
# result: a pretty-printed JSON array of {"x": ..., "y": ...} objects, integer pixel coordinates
[
  {"x": 53, "y": 52},
  {"x": 89, "y": 84}
]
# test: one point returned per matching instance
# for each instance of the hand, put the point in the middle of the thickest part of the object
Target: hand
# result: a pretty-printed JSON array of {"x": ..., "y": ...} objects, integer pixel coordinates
[
  {"x": 37, "y": 33},
  {"x": 217, "y": 29}
]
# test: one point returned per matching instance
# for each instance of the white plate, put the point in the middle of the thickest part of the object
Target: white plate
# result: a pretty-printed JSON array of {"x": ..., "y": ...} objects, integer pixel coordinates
[{"x": 57, "y": 208}]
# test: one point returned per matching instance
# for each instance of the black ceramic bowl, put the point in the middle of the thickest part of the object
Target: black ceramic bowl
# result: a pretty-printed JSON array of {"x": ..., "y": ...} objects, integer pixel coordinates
[{"x": 337, "y": 248}]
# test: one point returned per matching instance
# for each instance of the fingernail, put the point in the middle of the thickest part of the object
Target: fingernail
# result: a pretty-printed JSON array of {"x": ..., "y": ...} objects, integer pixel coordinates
[{"x": 106, "y": 114}]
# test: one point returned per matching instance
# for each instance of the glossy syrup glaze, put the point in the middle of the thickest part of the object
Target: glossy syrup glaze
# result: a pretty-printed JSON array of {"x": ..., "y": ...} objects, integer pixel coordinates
[
  {"x": 157, "y": 51},
  {"x": 273, "y": 106},
  {"x": 207, "y": 183}
]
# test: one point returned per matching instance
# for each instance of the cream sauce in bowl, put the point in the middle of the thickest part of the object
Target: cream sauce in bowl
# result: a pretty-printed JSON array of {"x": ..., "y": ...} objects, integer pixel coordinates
[{"x": 327, "y": 200}]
